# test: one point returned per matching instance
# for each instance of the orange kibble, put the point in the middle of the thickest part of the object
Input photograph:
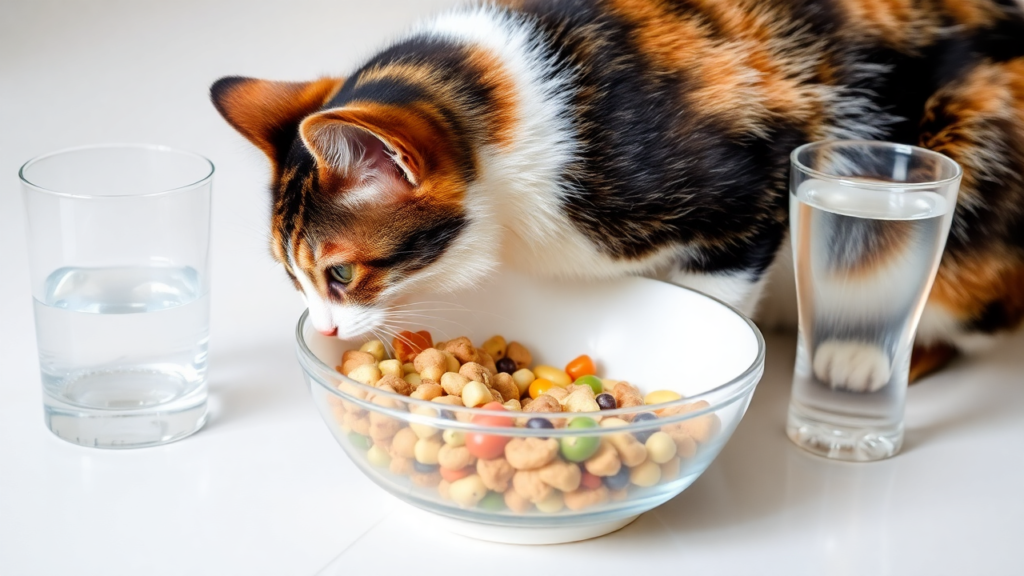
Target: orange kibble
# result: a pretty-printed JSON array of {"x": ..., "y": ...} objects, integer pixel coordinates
[
  {"x": 453, "y": 475},
  {"x": 581, "y": 366},
  {"x": 540, "y": 386},
  {"x": 409, "y": 344}
]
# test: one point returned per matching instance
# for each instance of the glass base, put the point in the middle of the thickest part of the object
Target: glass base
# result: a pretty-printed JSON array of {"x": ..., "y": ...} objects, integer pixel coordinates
[
  {"x": 126, "y": 428},
  {"x": 860, "y": 444}
]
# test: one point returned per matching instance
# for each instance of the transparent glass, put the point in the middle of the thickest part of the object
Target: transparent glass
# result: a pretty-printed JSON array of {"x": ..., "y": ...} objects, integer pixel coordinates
[
  {"x": 118, "y": 239},
  {"x": 868, "y": 223}
]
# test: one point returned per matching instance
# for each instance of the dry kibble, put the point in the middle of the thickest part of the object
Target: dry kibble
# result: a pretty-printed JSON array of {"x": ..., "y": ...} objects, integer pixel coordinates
[
  {"x": 378, "y": 457},
  {"x": 661, "y": 397},
  {"x": 660, "y": 447},
  {"x": 496, "y": 396},
  {"x": 401, "y": 466},
  {"x": 701, "y": 428},
  {"x": 382, "y": 427},
  {"x": 504, "y": 384},
  {"x": 558, "y": 393},
  {"x": 375, "y": 348},
  {"x": 451, "y": 362},
  {"x": 552, "y": 503},
  {"x": 519, "y": 354},
  {"x": 556, "y": 375},
  {"x": 468, "y": 492},
  {"x": 530, "y": 453},
  {"x": 353, "y": 358},
  {"x": 426, "y": 390},
  {"x": 396, "y": 383},
  {"x": 670, "y": 470},
  {"x": 604, "y": 462},
  {"x": 513, "y": 405},
  {"x": 647, "y": 473},
  {"x": 391, "y": 367},
  {"x": 496, "y": 473},
  {"x": 629, "y": 449},
  {"x": 454, "y": 457},
  {"x": 414, "y": 380},
  {"x": 403, "y": 443},
  {"x": 476, "y": 394},
  {"x": 584, "y": 498},
  {"x": 581, "y": 400},
  {"x": 516, "y": 502},
  {"x": 430, "y": 364},
  {"x": 454, "y": 437},
  {"x": 426, "y": 450},
  {"x": 626, "y": 395},
  {"x": 423, "y": 430},
  {"x": 529, "y": 485},
  {"x": 408, "y": 368},
  {"x": 523, "y": 378},
  {"x": 563, "y": 475},
  {"x": 453, "y": 383},
  {"x": 475, "y": 372},
  {"x": 495, "y": 346},
  {"x": 462, "y": 349},
  {"x": 358, "y": 424},
  {"x": 686, "y": 447},
  {"x": 543, "y": 403},
  {"x": 485, "y": 360},
  {"x": 367, "y": 374}
]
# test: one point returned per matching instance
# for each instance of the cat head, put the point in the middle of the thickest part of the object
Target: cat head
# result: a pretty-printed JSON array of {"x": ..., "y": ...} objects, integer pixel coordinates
[{"x": 369, "y": 199}]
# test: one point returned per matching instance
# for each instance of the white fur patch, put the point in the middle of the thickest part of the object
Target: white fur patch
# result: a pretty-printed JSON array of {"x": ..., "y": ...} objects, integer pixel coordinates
[{"x": 737, "y": 289}]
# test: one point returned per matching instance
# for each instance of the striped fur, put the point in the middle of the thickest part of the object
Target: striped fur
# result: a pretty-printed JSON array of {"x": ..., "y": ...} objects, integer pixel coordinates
[{"x": 602, "y": 138}]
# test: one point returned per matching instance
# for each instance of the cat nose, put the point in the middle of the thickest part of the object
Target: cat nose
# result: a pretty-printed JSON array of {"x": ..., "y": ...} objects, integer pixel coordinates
[{"x": 328, "y": 332}]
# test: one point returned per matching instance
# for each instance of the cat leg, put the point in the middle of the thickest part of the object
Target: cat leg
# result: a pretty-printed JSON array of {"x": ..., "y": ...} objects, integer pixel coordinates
[{"x": 851, "y": 365}]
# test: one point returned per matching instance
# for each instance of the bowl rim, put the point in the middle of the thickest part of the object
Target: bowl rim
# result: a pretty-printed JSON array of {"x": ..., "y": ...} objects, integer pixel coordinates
[{"x": 311, "y": 364}]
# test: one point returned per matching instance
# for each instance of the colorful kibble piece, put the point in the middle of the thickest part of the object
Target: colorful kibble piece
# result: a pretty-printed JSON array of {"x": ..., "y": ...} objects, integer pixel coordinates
[
  {"x": 539, "y": 424},
  {"x": 661, "y": 397},
  {"x": 579, "y": 448},
  {"x": 488, "y": 446},
  {"x": 581, "y": 366},
  {"x": 605, "y": 401},
  {"x": 453, "y": 475},
  {"x": 424, "y": 468},
  {"x": 660, "y": 447},
  {"x": 540, "y": 386},
  {"x": 619, "y": 480},
  {"x": 378, "y": 457},
  {"x": 360, "y": 441},
  {"x": 475, "y": 394},
  {"x": 593, "y": 381},
  {"x": 643, "y": 435},
  {"x": 506, "y": 365},
  {"x": 552, "y": 503},
  {"x": 558, "y": 377},
  {"x": 492, "y": 502},
  {"x": 408, "y": 344},
  {"x": 646, "y": 474},
  {"x": 589, "y": 481},
  {"x": 454, "y": 438}
]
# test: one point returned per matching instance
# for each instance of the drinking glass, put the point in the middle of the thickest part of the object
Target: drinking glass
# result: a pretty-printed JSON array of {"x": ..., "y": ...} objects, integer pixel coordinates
[
  {"x": 868, "y": 223},
  {"x": 118, "y": 239}
]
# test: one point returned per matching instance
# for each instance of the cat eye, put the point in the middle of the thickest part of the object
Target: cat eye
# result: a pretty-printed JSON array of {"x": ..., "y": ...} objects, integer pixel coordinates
[{"x": 343, "y": 273}]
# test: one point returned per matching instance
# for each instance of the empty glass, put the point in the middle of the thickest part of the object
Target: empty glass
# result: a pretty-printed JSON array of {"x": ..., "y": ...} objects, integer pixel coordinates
[
  {"x": 118, "y": 239},
  {"x": 868, "y": 222}
]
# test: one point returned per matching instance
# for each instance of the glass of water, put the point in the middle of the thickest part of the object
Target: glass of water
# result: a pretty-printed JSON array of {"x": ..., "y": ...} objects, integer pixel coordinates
[
  {"x": 868, "y": 224},
  {"x": 118, "y": 239}
]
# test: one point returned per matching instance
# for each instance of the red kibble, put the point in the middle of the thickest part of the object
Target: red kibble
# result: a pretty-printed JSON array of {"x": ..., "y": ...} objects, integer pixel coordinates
[
  {"x": 409, "y": 344},
  {"x": 488, "y": 446},
  {"x": 453, "y": 475},
  {"x": 580, "y": 366},
  {"x": 589, "y": 481}
]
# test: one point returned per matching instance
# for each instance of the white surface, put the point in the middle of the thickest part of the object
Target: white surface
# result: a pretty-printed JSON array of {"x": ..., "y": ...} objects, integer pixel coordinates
[{"x": 265, "y": 490}]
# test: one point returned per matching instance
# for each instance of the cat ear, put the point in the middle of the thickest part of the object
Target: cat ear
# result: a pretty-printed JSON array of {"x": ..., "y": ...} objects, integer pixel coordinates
[
  {"x": 268, "y": 113},
  {"x": 365, "y": 136}
]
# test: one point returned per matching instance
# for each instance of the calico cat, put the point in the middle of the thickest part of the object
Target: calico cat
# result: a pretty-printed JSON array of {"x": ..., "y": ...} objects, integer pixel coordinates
[{"x": 604, "y": 138}]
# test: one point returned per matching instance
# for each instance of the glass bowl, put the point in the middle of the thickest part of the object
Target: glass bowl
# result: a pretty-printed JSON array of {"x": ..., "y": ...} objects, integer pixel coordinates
[{"x": 654, "y": 335}]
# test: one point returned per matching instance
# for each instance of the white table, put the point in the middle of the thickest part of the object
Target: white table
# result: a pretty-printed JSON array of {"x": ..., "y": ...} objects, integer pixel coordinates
[{"x": 263, "y": 489}]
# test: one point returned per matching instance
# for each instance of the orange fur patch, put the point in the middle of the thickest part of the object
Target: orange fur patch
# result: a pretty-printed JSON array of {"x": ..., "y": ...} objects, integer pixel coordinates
[
  {"x": 964, "y": 287},
  {"x": 503, "y": 116},
  {"x": 900, "y": 24},
  {"x": 972, "y": 13}
]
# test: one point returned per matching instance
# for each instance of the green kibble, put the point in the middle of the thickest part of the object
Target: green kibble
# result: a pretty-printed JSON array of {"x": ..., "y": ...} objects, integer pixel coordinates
[
  {"x": 593, "y": 381},
  {"x": 579, "y": 448},
  {"x": 360, "y": 441},
  {"x": 492, "y": 502}
]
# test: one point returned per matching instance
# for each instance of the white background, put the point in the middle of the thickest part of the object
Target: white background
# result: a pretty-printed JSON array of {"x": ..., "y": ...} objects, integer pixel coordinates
[{"x": 263, "y": 489}]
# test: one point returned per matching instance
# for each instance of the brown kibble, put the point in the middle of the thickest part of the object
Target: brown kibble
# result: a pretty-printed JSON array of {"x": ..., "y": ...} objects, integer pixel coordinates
[
  {"x": 427, "y": 391},
  {"x": 454, "y": 383},
  {"x": 497, "y": 397},
  {"x": 584, "y": 498},
  {"x": 353, "y": 358},
  {"x": 631, "y": 452},
  {"x": 543, "y": 403},
  {"x": 454, "y": 457},
  {"x": 558, "y": 393},
  {"x": 397, "y": 384},
  {"x": 701, "y": 428},
  {"x": 402, "y": 466},
  {"x": 530, "y": 453},
  {"x": 581, "y": 400},
  {"x": 513, "y": 405},
  {"x": 529, "y": 485},
  {"x": 519, "y": 354},
  {"x": 495, "y": 346},
  {"x": 604, "y": 462},
  {"x": 496, "y": 473},
  {"x": 565, "y": 476},
  {"x": 462, "y": 349},
  {"x": 627, "y": 396},
  {"x": 506, "y": 385},
  {"x": 525, "y": 401},
  {"x": 403, "y": 444},
  {"x": 358, "y": 424},
  {"x": 485, "y": 360},
  {"x": 430, "y": 364},
  {"x": 476, "y": 373},
  {"x": 686, "y": 446},
  {"x": 382, "y": 427},
  {"x": 516, "y": 502}
]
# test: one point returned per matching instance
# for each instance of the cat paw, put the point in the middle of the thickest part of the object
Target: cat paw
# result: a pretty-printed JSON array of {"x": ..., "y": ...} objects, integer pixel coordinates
[{"x": 854, "y": 366}]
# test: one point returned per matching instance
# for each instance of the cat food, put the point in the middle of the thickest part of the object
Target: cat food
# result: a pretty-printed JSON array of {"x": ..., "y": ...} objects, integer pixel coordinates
[{"x": 509, "y": 473}]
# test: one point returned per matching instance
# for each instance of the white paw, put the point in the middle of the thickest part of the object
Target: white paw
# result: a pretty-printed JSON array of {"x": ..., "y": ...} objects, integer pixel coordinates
[{"x": 854, "y": 366}]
